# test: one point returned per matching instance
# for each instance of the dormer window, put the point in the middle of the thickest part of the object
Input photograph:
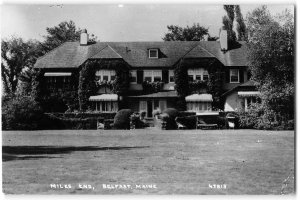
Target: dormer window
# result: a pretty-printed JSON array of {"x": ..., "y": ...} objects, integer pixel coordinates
[{"x": 153, "y": 53}]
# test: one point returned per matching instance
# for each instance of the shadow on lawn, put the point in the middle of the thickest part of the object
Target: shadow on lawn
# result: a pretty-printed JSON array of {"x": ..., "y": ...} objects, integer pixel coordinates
[{"x": 12, "y": 152}]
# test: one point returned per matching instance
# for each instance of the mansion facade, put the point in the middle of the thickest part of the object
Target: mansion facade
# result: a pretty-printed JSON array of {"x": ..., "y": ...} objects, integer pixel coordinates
[{"x": 153, "y": 64}]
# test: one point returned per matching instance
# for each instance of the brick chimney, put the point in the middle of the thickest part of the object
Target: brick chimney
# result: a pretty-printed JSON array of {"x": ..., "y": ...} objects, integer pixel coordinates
[
  {"x": 224, "y": 39},
  {"x": 84, "y": 37}
]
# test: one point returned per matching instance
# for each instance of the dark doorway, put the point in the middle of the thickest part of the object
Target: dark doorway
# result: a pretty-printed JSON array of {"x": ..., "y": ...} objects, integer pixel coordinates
[{"x": 149, "y": 108}]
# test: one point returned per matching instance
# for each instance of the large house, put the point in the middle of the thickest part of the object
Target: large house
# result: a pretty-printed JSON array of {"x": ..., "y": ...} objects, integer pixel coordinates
[{"x": 154, "y": 62}]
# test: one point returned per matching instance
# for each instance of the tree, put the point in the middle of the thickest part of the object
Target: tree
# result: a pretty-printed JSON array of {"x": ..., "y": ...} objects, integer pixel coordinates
[
  {"x": 228, "y": 24},
  {"x": 241, "y": 27},
  {"x": 63, "y": 32},
  {"x": 17, "y": 57},
  {"x": 193, "y": 33},
  {"x": 271, "y": 61}
]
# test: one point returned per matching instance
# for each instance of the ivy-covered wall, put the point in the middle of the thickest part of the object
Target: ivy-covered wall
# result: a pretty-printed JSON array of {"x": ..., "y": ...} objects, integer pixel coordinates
[
  {"x": 87, "y": 79},
  {"x": 212, "y": 86},
  {"x": 55, "y": 99}
]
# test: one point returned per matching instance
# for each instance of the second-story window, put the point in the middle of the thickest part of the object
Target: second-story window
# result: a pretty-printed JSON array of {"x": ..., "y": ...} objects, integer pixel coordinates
[
  {"x": 153, "y": 53},
  {"x": 171, "y": 76},
  {"x": 199, "y": 74},
  {"x": 105, "y": 75},
  {"x": 205, "y": 75},
  {"x": 152, "y": 75},
  {"x": 148, "y": 76},
  {"x": 234, "y": 76},
  {"x": 157, "y": 75},
  {"x": 133, "y": 76}
]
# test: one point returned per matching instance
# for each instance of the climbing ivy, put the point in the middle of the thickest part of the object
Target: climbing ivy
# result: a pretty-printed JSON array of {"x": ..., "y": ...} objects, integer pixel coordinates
[
  {"x": 88, "y": 85},
  {"x": 212, "y": 86}
]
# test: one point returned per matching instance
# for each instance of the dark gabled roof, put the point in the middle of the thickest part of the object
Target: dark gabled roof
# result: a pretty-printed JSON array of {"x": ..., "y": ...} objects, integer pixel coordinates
[{"x": 72, "y": 55}]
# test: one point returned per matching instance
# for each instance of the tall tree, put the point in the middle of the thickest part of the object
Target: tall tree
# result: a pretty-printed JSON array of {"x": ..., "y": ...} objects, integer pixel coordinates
[
  {"x": 17, "y": 56},
  {"x": 271, "y": 60},
  {"x": 228, "y": 24},
  {"x": 241, "y": 27},
  {"x": 193, "y": 33}
]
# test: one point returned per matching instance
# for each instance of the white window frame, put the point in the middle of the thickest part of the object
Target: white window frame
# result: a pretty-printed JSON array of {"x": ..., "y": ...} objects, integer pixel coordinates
[
  {"x": 238, "y": 76},
  {"x": 152, "y": 74},
  {"x": 196, "y": 72},
  {"x": 152, "y": 50},
  {"x": 105, "y": 72},
  {"x": 171, "y": 71},
  {"x": 135, "y": 72}
]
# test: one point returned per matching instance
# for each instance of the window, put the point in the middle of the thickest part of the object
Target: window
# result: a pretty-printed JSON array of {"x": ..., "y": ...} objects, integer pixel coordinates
[
  {"x": 152, "y": 76},
  {"x": 205, "y": 75},
  {"x": 105, "y": 75},
  {"x": 106, "y": 106},
  {"x": 199, "y": 106},
  {"x": 234, "y": 76},
  {"x": 197, "y": 74},
  {"x": 171, "y": 76},
  {"x": 133, "y": 76},
  {"x": 153, "y": 53},
  {"x": 148, "y": 76},
  {"x": 157, "y": 76}
]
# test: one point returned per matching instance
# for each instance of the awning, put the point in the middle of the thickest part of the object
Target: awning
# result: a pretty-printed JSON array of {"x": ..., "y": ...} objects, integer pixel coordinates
[
  {"x": 207, "y": 113},
  {"x": 104, "y": 97},
  {"x": 248, "y": 93},
  {"x": 199, "y": 98},
  {"x": 57, "y": 74}
]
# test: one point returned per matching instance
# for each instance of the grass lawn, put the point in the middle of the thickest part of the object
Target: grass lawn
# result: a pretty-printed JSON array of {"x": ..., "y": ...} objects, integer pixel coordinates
[{"x": 173, "y": 162}]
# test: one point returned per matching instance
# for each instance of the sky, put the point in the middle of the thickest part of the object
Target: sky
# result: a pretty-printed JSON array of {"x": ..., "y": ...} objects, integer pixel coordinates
[{"x": 116, "y": 22}]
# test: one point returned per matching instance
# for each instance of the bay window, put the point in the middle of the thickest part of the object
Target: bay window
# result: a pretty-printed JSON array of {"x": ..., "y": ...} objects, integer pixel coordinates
[
  {"x": 105, "y": 75},
  {"x": 199, "y": 74}
]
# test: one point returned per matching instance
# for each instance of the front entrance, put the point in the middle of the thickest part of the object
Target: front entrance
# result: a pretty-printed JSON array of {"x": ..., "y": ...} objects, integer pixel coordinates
[
  {"x": 149, "y": 109},
  {"x": 149, "y": 105}
]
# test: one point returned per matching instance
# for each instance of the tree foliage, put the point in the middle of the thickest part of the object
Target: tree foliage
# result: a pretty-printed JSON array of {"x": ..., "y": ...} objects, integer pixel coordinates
[
  {"x": 18, "y": 57},
  {"x": 193, "y": 33},
  {"x": 63, "y": 32},
  {"x": 241, "y": 27},
  {"x": 271, "y": 61},
  {"x": 228, "y": 24}
]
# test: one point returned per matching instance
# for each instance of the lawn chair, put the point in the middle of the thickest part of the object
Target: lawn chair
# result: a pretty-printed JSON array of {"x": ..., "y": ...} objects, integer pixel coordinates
[
  {"x": 231, "y": 125},
  {"x": 180, "y": 126}
]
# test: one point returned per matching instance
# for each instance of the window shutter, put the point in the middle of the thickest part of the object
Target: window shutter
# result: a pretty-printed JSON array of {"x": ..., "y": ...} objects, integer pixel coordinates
[
  {"x": 241, "y": 74},
  {"x": 165, "y": 76},
  {"x": 227, "y": 75},
  {"x": 140, "y": 77}
]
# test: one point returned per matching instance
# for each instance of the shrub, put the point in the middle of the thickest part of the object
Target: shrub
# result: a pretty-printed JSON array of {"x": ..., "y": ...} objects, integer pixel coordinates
[
  {"x": 169, "y": 116},
  {"x": 136, "y": 121},
  {"x": 21, "y": 113},
  {"x": 122, "y": 119}
]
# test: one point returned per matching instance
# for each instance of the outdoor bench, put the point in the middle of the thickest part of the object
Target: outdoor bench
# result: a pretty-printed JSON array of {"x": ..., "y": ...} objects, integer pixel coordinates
[{"x": 207, "y": 126}]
